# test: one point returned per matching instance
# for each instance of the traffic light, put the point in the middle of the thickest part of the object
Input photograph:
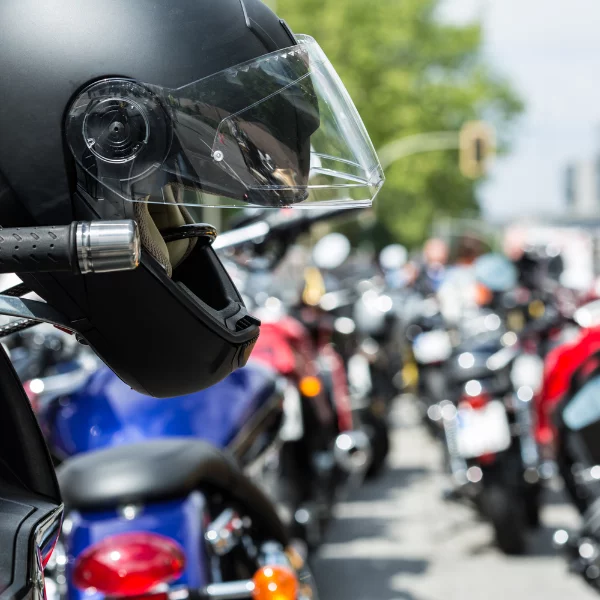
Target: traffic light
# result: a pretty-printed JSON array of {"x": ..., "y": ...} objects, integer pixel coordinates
[{"x": 477, "y": 148}]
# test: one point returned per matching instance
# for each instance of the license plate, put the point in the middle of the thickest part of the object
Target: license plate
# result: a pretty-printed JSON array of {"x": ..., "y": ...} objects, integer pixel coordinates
[{"x": 482, "y": 431}]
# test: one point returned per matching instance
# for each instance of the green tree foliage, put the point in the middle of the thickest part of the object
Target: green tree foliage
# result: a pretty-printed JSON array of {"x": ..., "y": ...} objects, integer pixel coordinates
[{"x": 410, "y": 73}]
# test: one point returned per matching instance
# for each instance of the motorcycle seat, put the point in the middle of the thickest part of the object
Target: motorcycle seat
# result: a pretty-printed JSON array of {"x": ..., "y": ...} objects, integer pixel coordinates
[{"x": 157, "y": 470}]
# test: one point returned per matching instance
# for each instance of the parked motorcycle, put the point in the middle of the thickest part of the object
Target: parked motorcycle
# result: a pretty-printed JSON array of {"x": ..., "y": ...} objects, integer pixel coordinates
[
  {"x": 166, "y": 482},
  {"x": 352, "y": 316},
  {"x": 429, "y": 347},
  {"x": 324, "y": 449},
  {"x": 568, "y": 423},
  {"x": 177, "y": 487},
  {"x": 577, "y": 421},
  {"x": 490, "y": 449}
]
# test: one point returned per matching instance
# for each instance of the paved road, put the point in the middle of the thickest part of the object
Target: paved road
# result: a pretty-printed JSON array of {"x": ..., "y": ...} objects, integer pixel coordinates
[{"x": 396, "y": 539}]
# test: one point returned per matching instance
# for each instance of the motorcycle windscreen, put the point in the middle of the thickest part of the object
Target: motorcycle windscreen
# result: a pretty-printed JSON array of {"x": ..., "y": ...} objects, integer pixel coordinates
[
  {"x": 277, "y": 131},
  {"x": 582, "y": 415},
  {"x": 583, "y": 409}
]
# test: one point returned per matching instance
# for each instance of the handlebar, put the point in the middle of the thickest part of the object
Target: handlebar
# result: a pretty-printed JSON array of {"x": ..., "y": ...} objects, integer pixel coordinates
[{"x": 81, "y": 247}]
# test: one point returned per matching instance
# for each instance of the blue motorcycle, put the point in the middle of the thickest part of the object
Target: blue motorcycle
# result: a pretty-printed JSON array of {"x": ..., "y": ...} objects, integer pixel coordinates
[{"x": 157, "y": 500}]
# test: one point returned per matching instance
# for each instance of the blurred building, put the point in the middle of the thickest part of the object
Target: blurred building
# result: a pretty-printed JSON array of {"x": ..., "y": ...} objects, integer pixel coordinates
[{"x": 582, "y": 188}]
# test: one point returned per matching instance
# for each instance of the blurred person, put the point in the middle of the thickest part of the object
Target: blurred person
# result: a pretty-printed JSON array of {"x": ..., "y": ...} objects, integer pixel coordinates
[
  {"x": 514, "y": 243},
  {"x": 435, "y": 252},
  {"x": 469, "y": 248},
  {"x": 530, "y": 266},
  {"x": 539, "y": 267},
  {"x": 432, "y": 267},
  {"x": 458, "y": 292},
  {"x": 392, "y": 262}
]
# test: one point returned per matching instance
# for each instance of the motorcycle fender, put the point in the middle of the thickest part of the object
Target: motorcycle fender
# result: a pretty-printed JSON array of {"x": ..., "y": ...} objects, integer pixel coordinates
[{"x": 183, "y": 520}]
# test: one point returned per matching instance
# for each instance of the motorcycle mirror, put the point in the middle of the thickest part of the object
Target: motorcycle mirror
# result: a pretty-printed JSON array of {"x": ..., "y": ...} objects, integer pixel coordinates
[
  {"x": 331, "y": 251},
  {"x": 588, "y": 315},
  {"x": 393, "y": 257}
]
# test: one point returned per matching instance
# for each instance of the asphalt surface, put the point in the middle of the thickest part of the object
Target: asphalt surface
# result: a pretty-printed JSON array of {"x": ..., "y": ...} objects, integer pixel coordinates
[{"x": 396, "y": 538}]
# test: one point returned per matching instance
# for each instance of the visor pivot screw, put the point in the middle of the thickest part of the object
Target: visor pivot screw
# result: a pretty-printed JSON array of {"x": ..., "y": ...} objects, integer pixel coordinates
[{"x": 218, "y": 156}]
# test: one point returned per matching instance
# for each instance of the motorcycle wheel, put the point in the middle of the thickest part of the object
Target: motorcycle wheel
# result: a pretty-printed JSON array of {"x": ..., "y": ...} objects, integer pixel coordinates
[
  {"x": 508, "y": 517},
  {"x": 296, "y": 490},
  {"x": 532, "y": 503},
  {"x": 433, "y": 390},
  {"x": 377, "y": 429}
]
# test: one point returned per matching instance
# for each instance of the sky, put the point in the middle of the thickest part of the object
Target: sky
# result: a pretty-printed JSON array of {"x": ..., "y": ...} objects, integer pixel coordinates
[{"x": 550, "y": 50}]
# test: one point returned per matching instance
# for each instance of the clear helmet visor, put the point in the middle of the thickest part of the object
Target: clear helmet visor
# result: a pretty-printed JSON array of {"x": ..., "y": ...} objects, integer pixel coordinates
[{"x": 280, "y": 130}]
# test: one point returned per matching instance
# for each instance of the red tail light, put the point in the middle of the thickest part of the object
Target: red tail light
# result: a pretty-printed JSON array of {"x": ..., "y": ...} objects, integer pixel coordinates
[
  {"x": 476, "y": 402},
  {"x": 129, "y": 564},
  {"x": 487, "y": 459}
]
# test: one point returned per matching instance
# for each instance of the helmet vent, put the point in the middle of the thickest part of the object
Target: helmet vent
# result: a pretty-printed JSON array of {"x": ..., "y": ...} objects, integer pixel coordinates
[{"x": 245, "y": 322}]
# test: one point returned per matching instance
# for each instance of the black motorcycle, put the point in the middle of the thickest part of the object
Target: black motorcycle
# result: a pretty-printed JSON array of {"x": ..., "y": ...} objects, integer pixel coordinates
[
  {"x": 30, "y": 499},
  {"x": 490, "y": 448},
  {"x": 486, "y": 415}
]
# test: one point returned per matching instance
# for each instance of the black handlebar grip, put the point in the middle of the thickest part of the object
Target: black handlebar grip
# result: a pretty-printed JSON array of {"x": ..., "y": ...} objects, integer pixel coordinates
[
  {"x": 81, "y": 247},
  {"x": 38, "y": 249}
]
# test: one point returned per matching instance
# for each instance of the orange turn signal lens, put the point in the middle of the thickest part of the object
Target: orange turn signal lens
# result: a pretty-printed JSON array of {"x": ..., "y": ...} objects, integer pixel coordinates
[
  {"x": 310, "y": 386},
  {"x": 483, "y": 295},
  {"x": 276, "y": 582}
]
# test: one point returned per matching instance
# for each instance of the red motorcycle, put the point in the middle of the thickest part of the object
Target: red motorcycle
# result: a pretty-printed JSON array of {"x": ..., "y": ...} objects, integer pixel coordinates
[
  {"x": 321, "y": 449},
  {"x": 559, "y": 367},
  {"x": 568, "y": 430}
]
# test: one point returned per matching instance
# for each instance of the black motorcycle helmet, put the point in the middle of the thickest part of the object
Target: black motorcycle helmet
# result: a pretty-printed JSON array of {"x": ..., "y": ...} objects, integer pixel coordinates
[{"x": 147, "y": 111}]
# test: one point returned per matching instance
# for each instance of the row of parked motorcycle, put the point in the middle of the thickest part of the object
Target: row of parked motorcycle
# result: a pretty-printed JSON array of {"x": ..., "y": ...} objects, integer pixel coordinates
[
  {"x": 223, "y": 490},
  {"x": 505, "y": 364},
  {"x": 163, "y": 496}
]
